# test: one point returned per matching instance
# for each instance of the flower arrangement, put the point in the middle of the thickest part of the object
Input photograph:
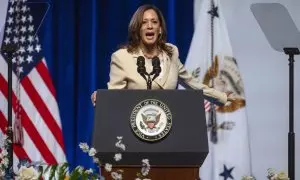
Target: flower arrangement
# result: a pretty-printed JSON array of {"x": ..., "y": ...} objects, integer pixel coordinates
[
  {"x": 272, "y": 175},
  {"x": 116, "y": 175},
  {"x": 4, "y": 143},
  {"x": 39, "y": 170}
]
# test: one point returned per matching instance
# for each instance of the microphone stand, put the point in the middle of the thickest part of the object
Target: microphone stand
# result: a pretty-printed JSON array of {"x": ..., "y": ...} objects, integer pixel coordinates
[
  {"x": 141, "y": 69},
  {"x": 149, "y": 81}
]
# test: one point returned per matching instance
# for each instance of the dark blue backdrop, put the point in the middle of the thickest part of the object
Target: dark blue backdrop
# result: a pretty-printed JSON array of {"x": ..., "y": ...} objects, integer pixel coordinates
[{"x": 79, "y": 37}]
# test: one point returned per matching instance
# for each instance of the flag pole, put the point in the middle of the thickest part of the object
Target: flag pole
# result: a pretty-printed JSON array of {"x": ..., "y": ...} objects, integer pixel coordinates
[
  {"x": 8, "y": 51},
  {"x": 212, "y": 115}
]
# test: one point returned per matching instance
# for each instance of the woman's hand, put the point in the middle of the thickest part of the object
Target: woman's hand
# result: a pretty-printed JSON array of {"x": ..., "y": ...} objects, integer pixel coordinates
[{"x": 93, "y": 98}]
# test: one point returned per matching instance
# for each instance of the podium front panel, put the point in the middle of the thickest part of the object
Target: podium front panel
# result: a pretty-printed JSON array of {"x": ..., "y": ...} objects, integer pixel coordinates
[{"x": 185, "y": 145}]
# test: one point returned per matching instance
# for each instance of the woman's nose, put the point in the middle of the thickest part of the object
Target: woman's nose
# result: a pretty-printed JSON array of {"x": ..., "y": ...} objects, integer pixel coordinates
[{"x": 149, "y": 25}]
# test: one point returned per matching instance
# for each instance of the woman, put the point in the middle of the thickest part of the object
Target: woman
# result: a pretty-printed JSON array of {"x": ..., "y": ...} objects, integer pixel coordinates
[{"x": 147, "y": 36}]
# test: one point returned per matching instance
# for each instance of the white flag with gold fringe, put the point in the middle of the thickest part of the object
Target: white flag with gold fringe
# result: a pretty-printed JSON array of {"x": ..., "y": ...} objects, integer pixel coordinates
[{"x": 211, "y": 60}]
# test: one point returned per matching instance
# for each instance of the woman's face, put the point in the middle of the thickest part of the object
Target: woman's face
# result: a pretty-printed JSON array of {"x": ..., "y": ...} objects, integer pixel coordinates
[{"x": 150, "y": 28}]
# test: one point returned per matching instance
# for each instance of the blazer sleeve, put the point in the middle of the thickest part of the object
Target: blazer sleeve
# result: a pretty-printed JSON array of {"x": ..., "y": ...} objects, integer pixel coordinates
[
  {"x": 186, "y": 79},
  {"x": 117, "y": 76}
]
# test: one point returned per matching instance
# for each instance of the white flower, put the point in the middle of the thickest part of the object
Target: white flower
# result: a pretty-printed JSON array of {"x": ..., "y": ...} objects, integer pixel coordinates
[
  {"x": 4, "y": 162},
  {"x": 145, "y": 171},
  {"x": 116, "y": 176},
  {"x": 5, "y": 137},
  {"x": 84, "y": 147},
  {"x": 3, "y": 153},
  {"x": 27, "y": 173},
  {"x": 119, "y": 137},
  {"x": 280, "y": 176},
  {"x": 2, "y": 173},
  {"x": 90, "y": 171},
  {"x": 146, "y": 162},
  {"x": 145, "y": 167},
  {"x": 95, "y": 160},
  {"x": 108, "y": 167},
  {"x": 119, "y": 143},
  {"x": 92, "y": 152},
  {"x": 80, "y": 169},
  {"x": 118, "y": 157},
  {"x": 137, "y": 179}
]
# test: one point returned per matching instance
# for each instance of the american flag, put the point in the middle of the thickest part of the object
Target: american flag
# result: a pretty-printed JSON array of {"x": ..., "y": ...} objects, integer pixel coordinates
[
  {"x": 37, "y": 107},
  {"x": 207, "y": 105}
]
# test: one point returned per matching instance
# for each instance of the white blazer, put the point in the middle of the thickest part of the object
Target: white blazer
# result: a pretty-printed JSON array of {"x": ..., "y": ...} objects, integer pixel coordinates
[{"x": 124, "y": 75}]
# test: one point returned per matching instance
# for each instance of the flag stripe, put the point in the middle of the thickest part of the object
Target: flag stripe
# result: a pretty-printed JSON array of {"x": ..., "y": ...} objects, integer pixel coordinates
[
  {"x": 30, "y": 129},
  {"x": 28, "y": 144},
  {"x": 19, "y": 151},
  {"x": 206, "y": 105},
  {"x": 43, "y": 110},
  {"x": 43, "y": 71},
  {"x": 37, "y": 120},
  {"x": 3, "y": 122},
  {"x": 40, "y": 125},
  {"x": 45, "y": 94}
]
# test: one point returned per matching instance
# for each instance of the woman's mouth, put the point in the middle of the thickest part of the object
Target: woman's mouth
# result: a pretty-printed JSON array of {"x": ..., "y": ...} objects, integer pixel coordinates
[{"x": 150, "y": 35}]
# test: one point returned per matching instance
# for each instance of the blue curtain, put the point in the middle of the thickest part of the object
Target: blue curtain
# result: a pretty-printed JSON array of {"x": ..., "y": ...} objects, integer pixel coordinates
[{"x": 78, "y": 38}]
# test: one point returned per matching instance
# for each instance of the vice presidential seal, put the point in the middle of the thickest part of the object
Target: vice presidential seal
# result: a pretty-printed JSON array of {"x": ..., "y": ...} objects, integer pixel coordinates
[{"x": 151, "y": 120}]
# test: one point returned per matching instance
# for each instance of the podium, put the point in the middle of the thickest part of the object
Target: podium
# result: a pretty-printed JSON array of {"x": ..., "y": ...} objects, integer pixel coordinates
[{"x": 176, "y": 153}]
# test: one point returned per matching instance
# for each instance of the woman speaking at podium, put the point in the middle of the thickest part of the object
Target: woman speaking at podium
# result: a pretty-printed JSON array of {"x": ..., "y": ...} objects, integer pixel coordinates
[
  {"x": 147, "y": 36},
  {"x": 147, "y": 61}
]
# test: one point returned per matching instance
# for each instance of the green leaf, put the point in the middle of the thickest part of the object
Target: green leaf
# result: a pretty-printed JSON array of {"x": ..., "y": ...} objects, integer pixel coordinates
[
  {"x": 75, "y": 174},
  {"x": 52, "y": 172},
  {"x": 47, "y": 168},
  {"x": 85, "y": 176},
  {"x": 62, "y": 171},
  {"x": 41, "y": 171},
  {"x": 93, "y": 176}
]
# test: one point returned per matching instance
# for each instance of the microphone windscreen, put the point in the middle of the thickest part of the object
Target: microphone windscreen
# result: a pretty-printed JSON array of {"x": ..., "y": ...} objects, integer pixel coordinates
[
  {"x": 155, "y": 61},
  {"x": 140, "y": 61}
]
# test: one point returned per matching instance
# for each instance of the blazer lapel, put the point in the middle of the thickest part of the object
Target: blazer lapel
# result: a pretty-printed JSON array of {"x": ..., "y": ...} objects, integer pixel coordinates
[
  {"x": 137, "y": 54},
  {"x": 165, "y": 60}
]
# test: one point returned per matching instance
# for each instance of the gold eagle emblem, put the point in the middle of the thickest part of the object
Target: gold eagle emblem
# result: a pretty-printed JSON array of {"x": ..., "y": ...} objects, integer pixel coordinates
[
  {"x": 226, "y": 78},
  {"x": 151, "y": 121}
]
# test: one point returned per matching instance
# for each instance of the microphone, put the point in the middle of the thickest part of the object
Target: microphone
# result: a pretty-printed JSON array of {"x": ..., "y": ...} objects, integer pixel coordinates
[
  {"x": 141, "y": 69},
  {"x": 156, "y": 67}
]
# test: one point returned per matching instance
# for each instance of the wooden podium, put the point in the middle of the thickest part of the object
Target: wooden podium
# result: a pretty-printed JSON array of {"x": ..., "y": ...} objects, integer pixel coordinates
[
  {"x": 177, "y": 156},
  {"x": 158, "y": 173}
]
